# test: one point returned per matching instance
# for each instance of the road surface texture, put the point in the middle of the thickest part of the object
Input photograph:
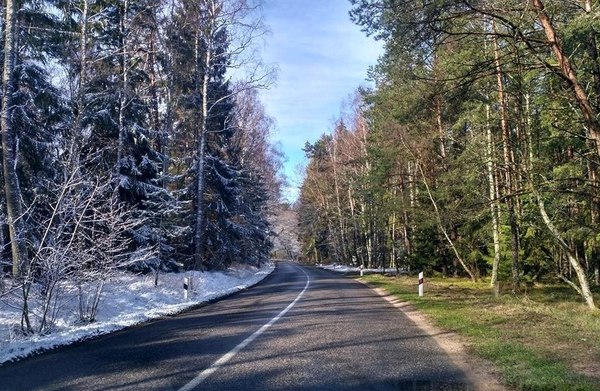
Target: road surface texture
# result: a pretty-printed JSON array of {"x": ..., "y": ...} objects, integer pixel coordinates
[{"x": 302, "y": 328}]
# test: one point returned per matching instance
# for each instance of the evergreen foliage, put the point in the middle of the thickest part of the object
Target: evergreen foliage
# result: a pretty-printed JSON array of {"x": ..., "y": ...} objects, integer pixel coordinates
[
  {"x": 476, "y": 153},
  {"x": 102, "y": 133}
]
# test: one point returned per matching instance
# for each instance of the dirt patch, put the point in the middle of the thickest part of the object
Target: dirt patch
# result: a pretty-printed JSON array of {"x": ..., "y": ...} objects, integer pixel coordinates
[
  {"x": 590, "y": 369},
  {"x": 480, "y": 372}
]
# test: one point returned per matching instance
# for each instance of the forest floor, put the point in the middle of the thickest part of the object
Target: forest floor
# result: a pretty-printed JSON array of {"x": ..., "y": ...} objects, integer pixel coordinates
[
  {"x": 127, "y": 299},
  {"x": 541, "y": 339}
]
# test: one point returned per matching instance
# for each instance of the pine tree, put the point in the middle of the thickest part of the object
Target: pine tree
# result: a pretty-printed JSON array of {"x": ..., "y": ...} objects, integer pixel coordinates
[{"x": 207, "y": 41}]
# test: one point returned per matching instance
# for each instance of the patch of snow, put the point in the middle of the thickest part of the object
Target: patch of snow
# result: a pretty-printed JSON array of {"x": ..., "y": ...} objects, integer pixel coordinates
[
  {"x": 126, "y": 300},
  {"x": 354, "y": 269}
]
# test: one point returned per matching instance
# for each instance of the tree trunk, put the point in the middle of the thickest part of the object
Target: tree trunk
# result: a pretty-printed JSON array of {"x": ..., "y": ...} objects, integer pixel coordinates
[
  {"x": 200, "y": 188},
  {"x": 354, "y": 222},
  {"x": 508, "y": 166},
  {"x": 441, "y": 225},
  {"x": 406, "y": 233},
  {"x": 494, "y": 196},
  {"x": 593, "y": 53},
  {"x": 167, "y": 128},
  {"x": 584, "y": 287},
  {"x": 366, "y": 234},
  {"x": 441, "y": 132},
  {"x": 593, "y": 175},
  {"x": 153, "y": 90},
  {"x": 392, "y": 233},
  {"x": 567, "y": 72},
  {"x": 83, "y": 59},
  {"x": 201, "y": 145},
  {"x": 393, "y": 256},
  {"x": 123, "y": 26},
  {"x": 12, "y": 191},
  {"x": 454, "y": 236},
  {"x": 494, "y": 204},
  {"x": 342, "y": 233}
]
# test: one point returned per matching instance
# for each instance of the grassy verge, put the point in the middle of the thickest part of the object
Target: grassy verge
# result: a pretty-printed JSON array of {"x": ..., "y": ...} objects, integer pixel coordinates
[{"x": 544, "y": 339}]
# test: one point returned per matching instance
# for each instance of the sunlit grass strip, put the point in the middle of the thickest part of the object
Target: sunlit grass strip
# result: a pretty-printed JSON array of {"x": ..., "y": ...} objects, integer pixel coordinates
[{"x": 534, "y": 339}]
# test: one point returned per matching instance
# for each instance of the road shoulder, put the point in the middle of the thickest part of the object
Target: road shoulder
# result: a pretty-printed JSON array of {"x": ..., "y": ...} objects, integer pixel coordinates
[{"x": 479, "y": 371}]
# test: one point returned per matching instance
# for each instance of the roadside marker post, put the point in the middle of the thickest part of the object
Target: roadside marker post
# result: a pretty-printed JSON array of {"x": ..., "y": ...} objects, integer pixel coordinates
[
  {"x": 421, "y": 284},
  {"x": 185, "y": 288},
  {"x": 361, "y": 270}
]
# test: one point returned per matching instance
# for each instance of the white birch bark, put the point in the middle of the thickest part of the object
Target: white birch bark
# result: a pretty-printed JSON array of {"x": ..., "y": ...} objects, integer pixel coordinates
[
  {"x": 584, "y": 287},
  {"x": 9, "y": 149},
  {"x": 494, "y": 207}
]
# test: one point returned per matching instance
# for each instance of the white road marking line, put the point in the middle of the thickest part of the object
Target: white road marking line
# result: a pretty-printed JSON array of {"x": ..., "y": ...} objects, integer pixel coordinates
[{"x": 231, "y": 354}]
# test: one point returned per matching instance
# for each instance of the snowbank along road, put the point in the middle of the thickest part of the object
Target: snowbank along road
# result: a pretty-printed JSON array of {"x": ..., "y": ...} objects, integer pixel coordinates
[{"x": 302, "y": 328}]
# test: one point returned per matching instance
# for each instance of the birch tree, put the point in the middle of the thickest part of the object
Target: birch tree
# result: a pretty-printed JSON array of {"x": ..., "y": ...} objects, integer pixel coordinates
[
  {"x": 220, "y": 40},
  {"x": 535, "y": 86},
  {"x": 12, "y": 190}
]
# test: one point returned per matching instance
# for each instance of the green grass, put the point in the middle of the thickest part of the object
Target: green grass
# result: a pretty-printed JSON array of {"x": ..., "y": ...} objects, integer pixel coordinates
[{"x": 543, "y": 339}]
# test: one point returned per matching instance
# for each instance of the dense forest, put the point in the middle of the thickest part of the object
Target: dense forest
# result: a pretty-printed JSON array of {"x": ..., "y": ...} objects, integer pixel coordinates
[
  {"x": 477, "y": 151},
  {"x": 133, "y": 138}
]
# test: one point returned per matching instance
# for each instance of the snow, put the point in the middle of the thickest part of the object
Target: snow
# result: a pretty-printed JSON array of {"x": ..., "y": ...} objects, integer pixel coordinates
[
  {"x": 126, "y": 300},
  {"x": 353, "y": 269}
]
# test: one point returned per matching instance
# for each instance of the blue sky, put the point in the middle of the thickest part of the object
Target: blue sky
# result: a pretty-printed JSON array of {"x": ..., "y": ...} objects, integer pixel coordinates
[{"x": 322, "y": 58}]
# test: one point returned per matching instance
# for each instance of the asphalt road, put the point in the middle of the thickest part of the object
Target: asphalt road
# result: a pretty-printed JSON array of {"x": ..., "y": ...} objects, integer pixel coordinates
[{"x": 302, "y": 328}]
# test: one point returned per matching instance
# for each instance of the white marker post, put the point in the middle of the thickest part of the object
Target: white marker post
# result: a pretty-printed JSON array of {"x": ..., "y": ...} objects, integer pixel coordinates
[
  {"x": 361, "y": 270},
  {"x": 185, "y": 288},
  {"x": 421, "y": 284}
]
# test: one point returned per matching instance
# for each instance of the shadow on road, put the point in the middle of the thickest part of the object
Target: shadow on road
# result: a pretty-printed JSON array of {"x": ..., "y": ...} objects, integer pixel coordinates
[{"x": 340, "y": 336}]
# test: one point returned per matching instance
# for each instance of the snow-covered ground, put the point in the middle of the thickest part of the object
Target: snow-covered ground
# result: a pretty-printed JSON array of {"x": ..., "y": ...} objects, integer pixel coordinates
[
  {"x": 352, "y": 269},
  {"x": 126, "y": 300}
]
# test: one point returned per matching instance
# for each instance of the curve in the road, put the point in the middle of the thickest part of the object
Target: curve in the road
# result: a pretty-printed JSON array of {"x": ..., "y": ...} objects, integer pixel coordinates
[{"x": 302, "y": 328}]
